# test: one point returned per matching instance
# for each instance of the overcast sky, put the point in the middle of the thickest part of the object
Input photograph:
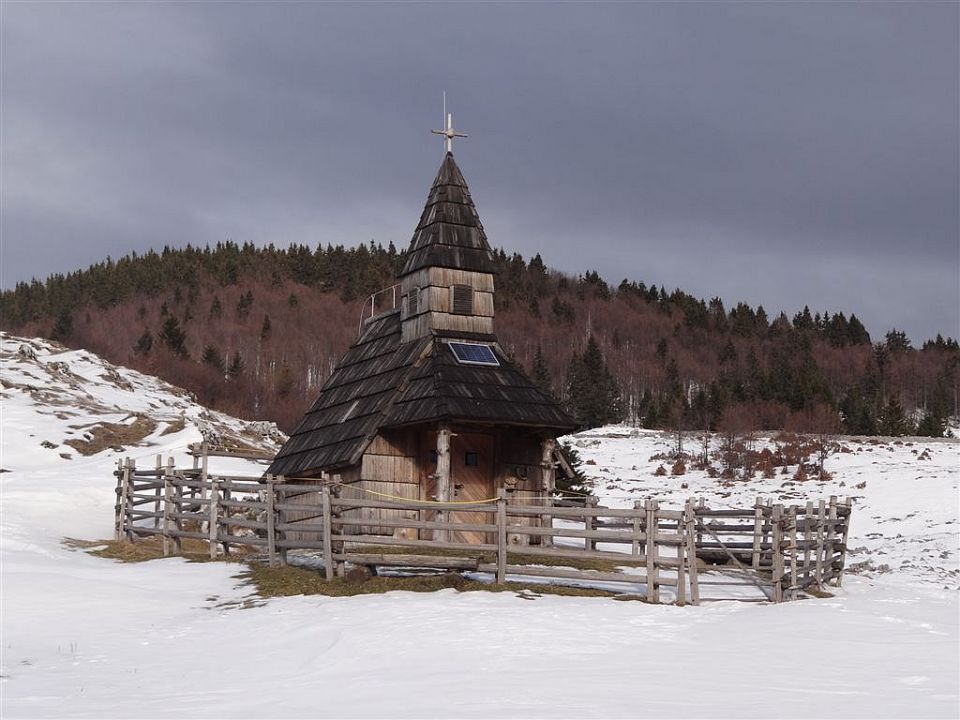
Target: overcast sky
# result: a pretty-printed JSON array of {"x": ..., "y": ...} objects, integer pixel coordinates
[{"x": 783, "y": 154}]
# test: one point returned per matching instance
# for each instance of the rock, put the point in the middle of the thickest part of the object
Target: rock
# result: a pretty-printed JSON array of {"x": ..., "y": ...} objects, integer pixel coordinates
[
  {"x": 27, "y": 352},
  {"x": 358, "y": 574}
]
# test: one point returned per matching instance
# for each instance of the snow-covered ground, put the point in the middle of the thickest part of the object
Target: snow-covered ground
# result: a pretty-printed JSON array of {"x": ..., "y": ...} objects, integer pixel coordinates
[{"x": 87, "y": 637}]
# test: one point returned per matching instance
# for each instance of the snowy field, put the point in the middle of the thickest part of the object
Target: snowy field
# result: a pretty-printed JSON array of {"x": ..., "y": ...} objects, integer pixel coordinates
[{"x": 88, "y": 637}]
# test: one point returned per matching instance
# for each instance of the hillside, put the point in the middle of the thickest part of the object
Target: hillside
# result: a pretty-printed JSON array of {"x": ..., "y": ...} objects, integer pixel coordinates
[
  {"x": 255, "y": 331},
  {"x": 84, "y": 636}
]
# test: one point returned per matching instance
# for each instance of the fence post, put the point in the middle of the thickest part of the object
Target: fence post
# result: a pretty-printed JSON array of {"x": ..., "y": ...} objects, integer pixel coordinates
[
  {"x": 157, "y": 494},
  {"x": 807, "y": 539},
  {"x": 590, "y": 523},
  {"x": 848, "y": 503},
  {"x": 271, "y": 526},
  {"x": 501, "y": 537},
  {"x": 327, "y": 534},
  {"x": 690, "y": 522},
  {"x": 757, "y": 533},
  {"x": 167, "y": 508},
  {"x": 776, "y": 522},
  {"x": 128, "y": 477},
  {"x": 213, "y": 524},
  {"x": 338, "y": 546},
  {"x": 793, "y": 552},
  {"x": 120, "y": 508},
  {"x": 223, "y": 517},
  {"x": 178, "y": 508},
  {"x": 203, "y": 470},
  {"x": 637, "y": 526},
  {"x": 281, "y": 516},
  {"x": 821, "y": 511},
  {"x": 653, "y": 580},
  {"x": 701, "y": 505},
  {"x": 767, "y": 528},
  {"x": 681, "y": 563},
  {"x": 831, "y": 534}
]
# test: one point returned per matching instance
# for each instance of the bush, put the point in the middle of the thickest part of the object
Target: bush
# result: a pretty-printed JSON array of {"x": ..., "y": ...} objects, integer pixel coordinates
[
  {"x": 660, "y": 471},
  {"x": 679, "y": 468}
]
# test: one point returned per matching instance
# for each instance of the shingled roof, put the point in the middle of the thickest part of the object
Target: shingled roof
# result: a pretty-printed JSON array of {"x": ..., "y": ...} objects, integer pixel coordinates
[
  {"x": 382, "y": 384},
  {"x": 449, "y": 233}
]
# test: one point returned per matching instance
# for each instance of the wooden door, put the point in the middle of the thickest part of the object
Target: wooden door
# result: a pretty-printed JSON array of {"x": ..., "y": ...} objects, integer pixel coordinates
[{"x": 471, "y": 479}]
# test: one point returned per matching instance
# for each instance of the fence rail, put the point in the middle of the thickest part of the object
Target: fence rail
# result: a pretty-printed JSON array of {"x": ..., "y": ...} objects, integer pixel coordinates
[{"x": 777, "y": 551}]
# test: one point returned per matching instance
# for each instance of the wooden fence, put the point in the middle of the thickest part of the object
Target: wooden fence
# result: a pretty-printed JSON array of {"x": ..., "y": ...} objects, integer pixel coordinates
[{"x": 777, "y": 551}]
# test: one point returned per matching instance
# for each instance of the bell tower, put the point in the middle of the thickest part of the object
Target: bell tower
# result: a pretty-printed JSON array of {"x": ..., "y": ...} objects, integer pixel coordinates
[{"x": 446, "y": 283}]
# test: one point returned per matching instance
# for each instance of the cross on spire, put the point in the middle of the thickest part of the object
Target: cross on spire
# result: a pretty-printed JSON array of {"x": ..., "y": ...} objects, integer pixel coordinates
[{"x": 448, "y": 132}]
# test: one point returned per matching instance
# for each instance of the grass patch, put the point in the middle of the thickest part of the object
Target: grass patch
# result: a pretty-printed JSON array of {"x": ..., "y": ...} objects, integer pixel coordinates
[
  {"x": 287, "y": 581},
  {"x": 113, "y": 435},
  {"x": 150, "y": 548},
  {"x": 174, "y": 427},
  {"x": 513, "y": 557}
]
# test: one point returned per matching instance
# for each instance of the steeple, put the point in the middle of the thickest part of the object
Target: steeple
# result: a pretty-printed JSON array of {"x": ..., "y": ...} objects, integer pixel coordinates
[
  {"x": 449, "y": 233},
  {"x": 447, "y": 278}
]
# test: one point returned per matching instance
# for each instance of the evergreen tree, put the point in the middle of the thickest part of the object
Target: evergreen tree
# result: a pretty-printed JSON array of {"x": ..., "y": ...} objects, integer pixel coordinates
[
  {"x": 173, "y": 336},
  {"x": 236, "y": 365},
  {"x": 592, "y": 390},
  {"x": 144, "y": 344},
  {"x": 212, "y": 356},
  {"x": 575, "y": 485},
  {"x": 265, "y": 329},
  {"x": 934, "y": 420},
  {"x": 541, "y": 373},
  {"x": 893, "y": 421},
  {"x": 63, "y": 327}
]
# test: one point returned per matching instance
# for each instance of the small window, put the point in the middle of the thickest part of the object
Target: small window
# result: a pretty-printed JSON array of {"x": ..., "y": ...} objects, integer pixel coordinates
[
  {"x": 462, "y": 303},
  {"x": 471, "y": 459},
  {"x": 413, "y": 302}
]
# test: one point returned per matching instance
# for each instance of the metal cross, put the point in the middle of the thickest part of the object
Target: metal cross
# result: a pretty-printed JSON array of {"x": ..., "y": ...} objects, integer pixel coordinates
[{"x": 448, "y": 132}]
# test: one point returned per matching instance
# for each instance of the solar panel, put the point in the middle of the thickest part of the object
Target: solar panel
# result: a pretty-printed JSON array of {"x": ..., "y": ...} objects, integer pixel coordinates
[{"x": 473, "y": 354}]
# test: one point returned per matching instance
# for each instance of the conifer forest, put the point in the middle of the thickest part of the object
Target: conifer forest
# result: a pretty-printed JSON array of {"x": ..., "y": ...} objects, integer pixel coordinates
[{"x": 255, "y": 331}]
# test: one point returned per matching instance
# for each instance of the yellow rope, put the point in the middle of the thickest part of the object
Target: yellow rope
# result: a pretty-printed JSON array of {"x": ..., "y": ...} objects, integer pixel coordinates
[{"x": 432, "y": 502}]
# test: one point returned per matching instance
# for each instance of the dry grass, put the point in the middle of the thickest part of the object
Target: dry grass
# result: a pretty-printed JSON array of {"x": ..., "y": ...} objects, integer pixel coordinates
[
  {"x": 114, "y": 435},
  {"x": 287, "y": 581},
  {"x": 151, "y": 548},
  {"x": 514, "y": 557},
  {"x": 174, "y": 427}
]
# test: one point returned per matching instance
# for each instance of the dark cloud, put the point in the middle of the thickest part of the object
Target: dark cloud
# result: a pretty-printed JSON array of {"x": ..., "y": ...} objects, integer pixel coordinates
[{"x": 784, "y": 154}]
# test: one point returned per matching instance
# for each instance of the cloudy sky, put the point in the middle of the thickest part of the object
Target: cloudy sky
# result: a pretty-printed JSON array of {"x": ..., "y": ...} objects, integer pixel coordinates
[{"x": 783, "y": 154}]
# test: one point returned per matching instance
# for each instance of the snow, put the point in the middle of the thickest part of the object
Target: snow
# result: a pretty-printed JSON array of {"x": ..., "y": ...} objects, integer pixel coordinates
[{"x": 88, "y": 637}]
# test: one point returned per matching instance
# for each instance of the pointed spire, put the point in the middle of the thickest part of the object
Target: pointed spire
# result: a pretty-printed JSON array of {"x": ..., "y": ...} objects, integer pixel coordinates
[{"x": 449, "y": 233}]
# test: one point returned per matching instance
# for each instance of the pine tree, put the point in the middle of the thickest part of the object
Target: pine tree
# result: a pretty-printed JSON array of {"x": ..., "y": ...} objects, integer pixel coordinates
[
  {"x": 893, "y": 421},
  {"x": 236, "y": 365},
  {"x": 265, "y": 329},
  {"x": 592, "y": 390},
  {"x": 541, "y": 373},
  {"x": 144, "y": 344},
  {"x": 212, "y": 356},
  {"x": 63, "y": 327},
  {"x": 173, "y": 336}
]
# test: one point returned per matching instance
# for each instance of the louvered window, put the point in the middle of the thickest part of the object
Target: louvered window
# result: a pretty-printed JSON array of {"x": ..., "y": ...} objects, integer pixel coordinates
[
  {"x": 413, "y": 302},
  {"x": 462, "y": 300}
]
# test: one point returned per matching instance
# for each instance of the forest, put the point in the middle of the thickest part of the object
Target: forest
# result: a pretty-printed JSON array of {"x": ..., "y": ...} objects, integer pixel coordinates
[{"x": 255, "y": 331}]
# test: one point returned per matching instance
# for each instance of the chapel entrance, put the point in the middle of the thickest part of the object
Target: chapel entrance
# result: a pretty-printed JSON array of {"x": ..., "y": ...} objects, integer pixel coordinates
[{"x": 471, "y": 480}]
